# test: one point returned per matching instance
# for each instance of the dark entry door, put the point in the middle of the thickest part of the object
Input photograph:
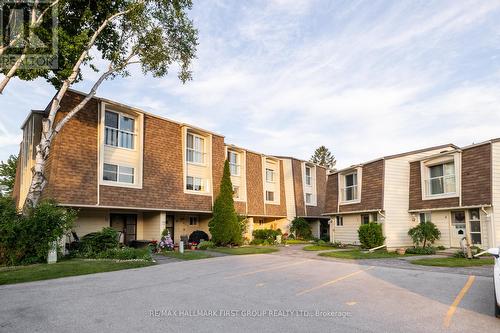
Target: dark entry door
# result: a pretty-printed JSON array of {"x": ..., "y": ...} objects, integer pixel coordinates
[
  {"x": 125, "y": 223},
  {"x": 169, "y": 225}
]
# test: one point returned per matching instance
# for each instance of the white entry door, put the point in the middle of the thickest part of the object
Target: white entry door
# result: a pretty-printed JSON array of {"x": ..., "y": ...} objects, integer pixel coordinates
[{"x": 457, "y": 232}]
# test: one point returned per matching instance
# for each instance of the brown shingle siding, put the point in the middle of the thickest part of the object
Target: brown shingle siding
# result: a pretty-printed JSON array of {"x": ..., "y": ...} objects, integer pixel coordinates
[
  {"x": 332, "y": 194},
  {"x": 255, "y": 185},
  {"x": 372, "y": 188},
  {"x": 476, "y": 175},
  {"x": 298, "y": 187},
  {"x": 415, "y": 189}
]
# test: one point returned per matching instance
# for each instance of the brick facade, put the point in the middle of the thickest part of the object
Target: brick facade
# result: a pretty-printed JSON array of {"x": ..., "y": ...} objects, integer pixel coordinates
[
  {"x": 255, "y": 185},
  {"x": 298, "y": 187},
  {"x": 320, "y": 194},
  {"x": 332, "y": 193},
  {"x": 278, "y": 210}
]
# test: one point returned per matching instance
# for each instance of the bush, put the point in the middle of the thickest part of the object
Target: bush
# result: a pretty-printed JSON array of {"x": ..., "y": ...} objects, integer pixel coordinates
[
  {"x": 97, "y": 242},
  {"x": 423, "y": 233},
  {"x": 197, "y": 236},
  {"x": 325, "y": 238},
  {"x": 321, "y": 242},
  {"x": 441, "y": 248},
  {"x": 301, "y": 228},
  {"x": 370, "y": 235},
  {"x": 126, "y": 253},
  {"x": 224, "y": 226},
  {"x": 203, "y": 245},
  {"x": 421, "y": 250},
  {"x": 28, "y": 239},
  {"x": 266, "y": 234}
]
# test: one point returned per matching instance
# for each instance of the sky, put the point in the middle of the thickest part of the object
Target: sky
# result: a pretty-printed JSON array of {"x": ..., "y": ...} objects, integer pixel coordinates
[{"x": 282, "y": 77}]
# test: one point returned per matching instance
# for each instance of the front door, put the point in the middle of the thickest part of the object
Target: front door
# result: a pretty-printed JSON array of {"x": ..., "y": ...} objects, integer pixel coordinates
[
  {"x": 169, "y": 225},
  {"x": 457, "y": 232},
  {"x": 126, "y": 224}
]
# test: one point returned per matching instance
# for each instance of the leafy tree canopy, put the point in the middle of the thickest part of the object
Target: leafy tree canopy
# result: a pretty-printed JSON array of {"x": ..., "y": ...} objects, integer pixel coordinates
[{"x": 8, "y": 174}]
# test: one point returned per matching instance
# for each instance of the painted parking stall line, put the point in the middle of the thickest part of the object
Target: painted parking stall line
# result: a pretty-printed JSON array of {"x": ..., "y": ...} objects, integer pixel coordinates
[
  {"x": 306, "y": 291},
  {"x": 453, "y": 307},
  {"x": 267, "y": 269}
]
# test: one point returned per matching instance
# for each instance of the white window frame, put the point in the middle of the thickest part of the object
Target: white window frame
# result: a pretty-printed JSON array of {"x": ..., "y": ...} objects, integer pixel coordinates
[
  {"x": 310, "y": 196},
  {"x": 356, "y": 192},
  {"x": 308, "y": 178},
  {"x": 236, "y": 192},
  {"x": 443, "y": 178},
  {"x": 194, "y": 220},
  {"x": 201, "y": 183},
  {"x": 118, "y": 173},
  {"x": 427, "y": 217},
  {"x": 119, "y": 130},
  {"x": 274, "y": 196},
  {"x": 194, "y": 151},
  {"x": 234, "y": 166},
  {"x": 339, "y": 221},
  {"x": 271, "y": 172}
]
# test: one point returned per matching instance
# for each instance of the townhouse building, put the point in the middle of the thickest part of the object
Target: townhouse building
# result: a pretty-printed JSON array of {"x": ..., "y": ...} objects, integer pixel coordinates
[
  {"x": 140, "y": 173},
  {"x": 458, "y": 189}
]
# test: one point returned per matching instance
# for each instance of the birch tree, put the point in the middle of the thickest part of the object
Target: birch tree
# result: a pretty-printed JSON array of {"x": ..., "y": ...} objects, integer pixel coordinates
[{"x": 154, "y": 34}]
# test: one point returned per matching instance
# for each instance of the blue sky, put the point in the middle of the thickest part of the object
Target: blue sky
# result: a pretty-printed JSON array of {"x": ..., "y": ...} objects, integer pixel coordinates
[{"x": 364, "y": 78}]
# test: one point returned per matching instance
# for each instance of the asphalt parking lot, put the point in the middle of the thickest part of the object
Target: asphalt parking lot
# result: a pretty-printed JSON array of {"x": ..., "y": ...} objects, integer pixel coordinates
[{"x": 258, "y": 293}]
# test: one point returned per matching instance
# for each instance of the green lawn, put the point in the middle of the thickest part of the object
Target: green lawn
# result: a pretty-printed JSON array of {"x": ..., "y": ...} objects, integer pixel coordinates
[
  {"x": 318, "y": 247},
  {"x": 358, "y": 254},
  {"x": 245, "y": 250},
  {"x": 187, "y": 255},
  {"x": 453, "y": 262},
  {"x": 296, "y": 241},
  {"x": 18, "y": 274}
]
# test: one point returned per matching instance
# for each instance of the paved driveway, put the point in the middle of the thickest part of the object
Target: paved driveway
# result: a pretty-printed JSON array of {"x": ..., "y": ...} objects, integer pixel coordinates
[{"x": 256, "y": 293}]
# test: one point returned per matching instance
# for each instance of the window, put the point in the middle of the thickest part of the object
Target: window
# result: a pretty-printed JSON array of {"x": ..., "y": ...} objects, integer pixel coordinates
[
  {"x": 475, "y": 226},
  {"x": 308, "y": 198},
  {"x": 118, "y": 173},
  {"x": 234, "y": 166},
  {"x": 194, "y": 183},
  {"x": 365, "y": 218},
  {"x": 308, "y": 176},
  {"x": 118, "y": 130},
  {"x": 350, "y": 191},
  {"x": 269, "y": 196},
  {"x": 441, "y": 179},
  {"x": 261, "y": 222},
  {"x": 195, "y": 149},
  {"x": 269, "y": 175},
  {"x": 193, "y": 220},
  {"x": 425, "y": 217},
  {"x": 339, "y": 221},
  {"x": 236, "y": 192}
]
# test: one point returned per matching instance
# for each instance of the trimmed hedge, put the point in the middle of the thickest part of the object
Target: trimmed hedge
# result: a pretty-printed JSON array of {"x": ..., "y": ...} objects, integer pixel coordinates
[{"x": 370, "y": 235}]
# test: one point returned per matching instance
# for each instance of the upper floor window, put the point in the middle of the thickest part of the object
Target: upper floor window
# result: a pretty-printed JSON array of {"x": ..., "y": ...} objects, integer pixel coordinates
[
  {"x": 441, "y": 179},
  {"x": 308, "y": 198},
  {"x": 350, "y": 190},
  {"x": 269, "y": 196},
  {"x": 269, "y": 175},
  {"x": 195, "y": 149},
  {"x": 118, "y": 173},
  {"x": 308, "y": 176},
  {"x": 236, "y": 192},
  {"x": 194, "y": 184},
  {"x": 234, "y": 163},
  {"x": 119, "y": 130}
]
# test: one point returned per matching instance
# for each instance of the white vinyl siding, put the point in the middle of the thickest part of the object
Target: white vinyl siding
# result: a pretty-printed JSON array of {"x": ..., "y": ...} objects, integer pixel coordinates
[
  {"x": 494, "y": 228},
  {"x": 397, "y": 219},
  {"x": 348, "y": 232}
]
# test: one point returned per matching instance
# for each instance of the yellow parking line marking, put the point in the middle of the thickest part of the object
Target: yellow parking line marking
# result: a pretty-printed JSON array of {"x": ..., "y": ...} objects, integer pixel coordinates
[
  {"x": 456, "y": 302},
  {"x": 351, "y": 303},
  {"x": 259, "y": 285},
  {"x": 333, "y": 281},
  {"x": 266, "y": 269}
]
